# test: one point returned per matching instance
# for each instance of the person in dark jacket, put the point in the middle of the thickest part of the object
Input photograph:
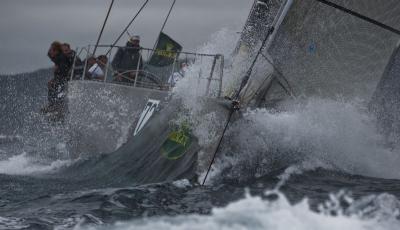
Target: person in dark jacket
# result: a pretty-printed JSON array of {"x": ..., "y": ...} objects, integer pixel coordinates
[
  {"x": 70, "y": 54},
  {"x": 128, "y": 59},
  {"x": 57, "y": 85}
]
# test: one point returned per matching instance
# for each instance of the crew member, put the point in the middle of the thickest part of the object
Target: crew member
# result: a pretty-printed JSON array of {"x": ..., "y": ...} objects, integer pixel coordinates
[
  {"x": 70, "y": 54},
  {"x": 128, "y": 60},
  {"x": 176, "y": 76},
  {"x": 57, "y": 85}
]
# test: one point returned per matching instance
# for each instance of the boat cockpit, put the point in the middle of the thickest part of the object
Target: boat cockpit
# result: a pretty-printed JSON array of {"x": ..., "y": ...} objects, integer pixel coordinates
[{"x": 159, "y": 71}]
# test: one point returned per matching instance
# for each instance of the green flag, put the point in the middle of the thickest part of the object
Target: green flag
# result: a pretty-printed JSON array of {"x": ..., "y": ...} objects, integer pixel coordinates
[{"x": 166, "y": 51}]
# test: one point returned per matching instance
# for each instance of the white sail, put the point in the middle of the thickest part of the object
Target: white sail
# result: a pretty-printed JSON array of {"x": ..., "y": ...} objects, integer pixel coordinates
[{"x": 324, "y": 52}]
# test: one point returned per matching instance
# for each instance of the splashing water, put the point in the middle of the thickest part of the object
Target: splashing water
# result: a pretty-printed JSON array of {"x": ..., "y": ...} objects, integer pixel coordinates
[
  {"x": 189, "y": 89},
  {"x": 23, "y": 165},
  {"x": 319, "y": 133},
  {"x": 257, "y": 213}
]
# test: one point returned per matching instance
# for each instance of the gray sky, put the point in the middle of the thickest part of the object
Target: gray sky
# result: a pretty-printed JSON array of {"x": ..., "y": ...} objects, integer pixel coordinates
[{"x": 29, "y": 26}]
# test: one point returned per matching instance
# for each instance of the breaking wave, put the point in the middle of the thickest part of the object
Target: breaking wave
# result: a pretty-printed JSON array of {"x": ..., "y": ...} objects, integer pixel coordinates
[
  {"x": 320, "y": 133},
  {"x": 23, "y": 165},
  {"x": 274, "y": 211}
]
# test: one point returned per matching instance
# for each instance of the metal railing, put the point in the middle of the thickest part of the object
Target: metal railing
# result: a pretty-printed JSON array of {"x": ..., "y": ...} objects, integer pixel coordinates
[{"x": 151, "y": 76}]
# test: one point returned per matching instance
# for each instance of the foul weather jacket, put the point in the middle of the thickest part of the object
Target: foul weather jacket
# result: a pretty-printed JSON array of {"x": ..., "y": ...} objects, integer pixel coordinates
[
  {"x": 62, "y": 67},
  {"x": 127, "y": 58}
]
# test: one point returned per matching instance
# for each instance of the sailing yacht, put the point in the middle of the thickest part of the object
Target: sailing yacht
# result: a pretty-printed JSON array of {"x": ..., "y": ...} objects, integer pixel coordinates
[{"x": 304, "y": 49}]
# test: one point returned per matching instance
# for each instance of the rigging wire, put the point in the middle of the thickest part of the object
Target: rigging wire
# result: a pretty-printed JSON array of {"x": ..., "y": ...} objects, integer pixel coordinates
[
  {"x": 165, "y": 22},
  {"x": 127, "y": 26},
  {"x": 360, "y": 16},
  {"x": 279, "y": 73},
  {"x": 231, "y": 112},
  {"x": 250, "y": 70},
  {"x": 129, "y": 34},
  {"x": 235, "y": 102},
  {"x": 102, "y": 28}
]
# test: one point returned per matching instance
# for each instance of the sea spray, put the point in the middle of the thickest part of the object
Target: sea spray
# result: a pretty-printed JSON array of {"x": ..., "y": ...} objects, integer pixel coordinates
[
  {"x": 326, "y": 133},
  {"x": 254, "y": 212},
  {"x": 23, "y": 165}
]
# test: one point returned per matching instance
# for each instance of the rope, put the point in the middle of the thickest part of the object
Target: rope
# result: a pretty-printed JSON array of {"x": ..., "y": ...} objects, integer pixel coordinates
[
  {"x": 219, "y": 144},
  {"x": 165, "y": 22},
  {"x": 360, "y": 16},
  {"x": 127, "y": 27},
  {"x": 235, "y": 101},
  {"x": 102, "y": 28}
]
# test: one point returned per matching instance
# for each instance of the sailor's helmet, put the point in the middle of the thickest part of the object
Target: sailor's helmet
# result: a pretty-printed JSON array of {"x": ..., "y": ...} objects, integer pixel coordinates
[{"x": 134, "y": 38}]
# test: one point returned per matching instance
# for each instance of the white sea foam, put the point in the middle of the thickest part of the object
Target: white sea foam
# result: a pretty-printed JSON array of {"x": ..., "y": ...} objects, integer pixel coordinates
[
  {"x": 2, "y": 136},
  {"x": 184, "y": 183},
  {"x": 256, "y": 213},
  {"x": 298, "y": 169},
  {"x": 191, "y": 88},
  {"x": 325, "y": 133},
  {"x": 23, "y": 165},
  {"x": 10, "y": 138}
]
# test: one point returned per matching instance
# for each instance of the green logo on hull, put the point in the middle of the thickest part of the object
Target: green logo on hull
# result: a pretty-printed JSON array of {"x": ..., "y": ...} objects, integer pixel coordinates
[{"x": 177, "y": 143}]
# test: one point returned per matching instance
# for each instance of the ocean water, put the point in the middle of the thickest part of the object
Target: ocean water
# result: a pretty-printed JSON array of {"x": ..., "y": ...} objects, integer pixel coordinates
[{"x": 322, "y": 164}]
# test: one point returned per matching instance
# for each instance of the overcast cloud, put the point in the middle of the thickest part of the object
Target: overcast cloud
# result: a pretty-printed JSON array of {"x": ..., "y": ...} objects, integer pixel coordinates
[{"x": 29, "y": 26}]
